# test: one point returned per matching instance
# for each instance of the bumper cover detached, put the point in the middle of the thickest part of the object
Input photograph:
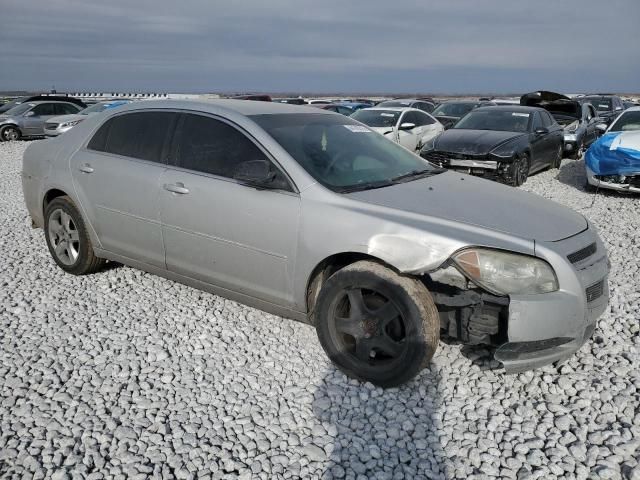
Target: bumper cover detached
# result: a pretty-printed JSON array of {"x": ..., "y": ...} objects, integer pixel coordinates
[
  {"x": 619, "y": 183},
  {"x": 549, "y": 328}
]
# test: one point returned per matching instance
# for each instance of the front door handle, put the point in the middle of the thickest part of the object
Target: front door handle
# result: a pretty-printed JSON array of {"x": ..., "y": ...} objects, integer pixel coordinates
[
  {"x": 86, "y": 168},
  {"x": 176, "y": 188}
]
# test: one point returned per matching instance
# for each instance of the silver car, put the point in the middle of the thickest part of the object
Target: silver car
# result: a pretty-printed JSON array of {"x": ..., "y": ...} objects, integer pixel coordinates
[
  {"x": 28, "y": 119},
  {"x": 311, "y": 215},
  {"x": 58, "y": 125}
]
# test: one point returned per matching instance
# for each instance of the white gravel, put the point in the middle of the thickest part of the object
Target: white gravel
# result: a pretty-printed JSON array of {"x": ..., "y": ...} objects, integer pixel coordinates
[{"x": 123, "y": 374}]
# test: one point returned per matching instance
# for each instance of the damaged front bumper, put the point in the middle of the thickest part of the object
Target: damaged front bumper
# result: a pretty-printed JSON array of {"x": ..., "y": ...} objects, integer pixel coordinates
[
  {"x": 620, "y": 183},
  {"x": 549, "y": 328}
]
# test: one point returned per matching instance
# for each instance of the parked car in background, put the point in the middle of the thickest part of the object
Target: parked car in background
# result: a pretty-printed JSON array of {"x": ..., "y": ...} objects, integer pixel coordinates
[
  {"x": 409, "y": 127},
  {"x": 335, "y": 107},
  {"x": 629, "y": 103},
  {"x": 499, "y": 143},
  {"x": 608, "y": 106},
  {"x": 353, "y": 106},
  {"x": 579, "y": 120},
  {"x": 256, "y": 98},
  {"x": 291, "y": 101},
  {"x": 28, "y": 119},
  {"x": 36, "y": 98},
  {"x": 424, "y": 105},
  {"x": 449, "y": 112},
  {"x": 316, "y": 101},
  {"x": 613, "y": 161},
  {"x": 58, "y": 125},
  {"x": 312, "y": 216}
]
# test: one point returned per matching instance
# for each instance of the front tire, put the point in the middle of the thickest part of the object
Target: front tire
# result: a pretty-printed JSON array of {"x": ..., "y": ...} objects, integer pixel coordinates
[
  {"x": 68, "y": 239},
  {"x": 376, "y": 325},
  {"x": 519, "y": 171},
  {"x": 557, "y": 161},
  {"x": 10, "y": 133}
]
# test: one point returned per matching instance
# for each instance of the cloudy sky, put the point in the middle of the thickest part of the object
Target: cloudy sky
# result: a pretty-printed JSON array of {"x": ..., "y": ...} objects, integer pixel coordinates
[{"x": 439, "y": 46}]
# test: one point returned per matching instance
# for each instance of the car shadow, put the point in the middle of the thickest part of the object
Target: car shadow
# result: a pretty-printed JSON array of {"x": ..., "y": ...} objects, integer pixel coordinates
[
  {"x": 573, "y": 174},
  {"x": 482, "y": 356},
  {"x": 382, "y": 433}
]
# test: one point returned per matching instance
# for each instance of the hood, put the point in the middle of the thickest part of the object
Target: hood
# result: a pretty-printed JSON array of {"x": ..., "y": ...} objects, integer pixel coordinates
[
  {"x": 473, "y": 142},
  {"x": 482, "y": 203},
  {"x": 559, "y": 105},
  {"x": 67, "y": 118},
  {"x": 615, "y": 153}
]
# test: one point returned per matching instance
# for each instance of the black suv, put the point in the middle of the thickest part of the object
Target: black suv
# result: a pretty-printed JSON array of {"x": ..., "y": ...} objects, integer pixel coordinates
[{"x": 607, "y": 105}]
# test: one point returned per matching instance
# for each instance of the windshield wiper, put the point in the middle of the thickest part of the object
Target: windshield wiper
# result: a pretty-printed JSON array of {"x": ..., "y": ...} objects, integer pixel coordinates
[
  {"x": 415, "y": 174},
  {"x": 365, "y": 186}
]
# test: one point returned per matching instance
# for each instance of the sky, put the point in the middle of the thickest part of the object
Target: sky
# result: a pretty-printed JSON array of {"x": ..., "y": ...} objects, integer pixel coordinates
[{"x": 375, "y": 46}]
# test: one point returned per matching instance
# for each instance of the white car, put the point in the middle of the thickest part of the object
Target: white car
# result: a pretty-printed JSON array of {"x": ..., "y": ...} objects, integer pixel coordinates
[{"x": 409, "y": 127}]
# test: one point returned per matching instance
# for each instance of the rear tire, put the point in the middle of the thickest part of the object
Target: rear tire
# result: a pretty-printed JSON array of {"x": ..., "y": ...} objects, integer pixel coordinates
[
  {"x": 376, "y": 325},
  {"x": 10, "y": 133},
  {"x": 67, "y": 238}
]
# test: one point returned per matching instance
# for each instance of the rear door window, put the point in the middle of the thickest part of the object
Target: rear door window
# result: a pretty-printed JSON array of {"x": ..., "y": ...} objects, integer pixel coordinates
[
  {"x": 44, "y": 109},
  {"x": 141, "y": 135},
  {"x": 65, "y": 109},
  {"x": 423, "y": 119}
]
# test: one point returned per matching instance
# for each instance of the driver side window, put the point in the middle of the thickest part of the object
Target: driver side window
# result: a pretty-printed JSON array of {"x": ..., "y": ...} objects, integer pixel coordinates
[
  {"x": 210, "y": 146},
  {"x": 537, "y": 122}
]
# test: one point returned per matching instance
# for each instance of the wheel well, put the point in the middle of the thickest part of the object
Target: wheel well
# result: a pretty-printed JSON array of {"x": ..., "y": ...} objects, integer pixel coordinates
[
  {"x": 328, "y": 267},
  {"x": 50, "y": 195}
]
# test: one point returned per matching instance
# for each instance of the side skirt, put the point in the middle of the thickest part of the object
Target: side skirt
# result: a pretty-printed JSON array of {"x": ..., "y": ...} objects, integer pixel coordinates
[{"x": 207, "y": 287}]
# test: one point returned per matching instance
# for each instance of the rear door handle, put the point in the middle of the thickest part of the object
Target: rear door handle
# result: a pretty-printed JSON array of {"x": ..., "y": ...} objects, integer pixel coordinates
[
  {"x": 86, "y": 168},
  {"x": 176, "y": 188}
]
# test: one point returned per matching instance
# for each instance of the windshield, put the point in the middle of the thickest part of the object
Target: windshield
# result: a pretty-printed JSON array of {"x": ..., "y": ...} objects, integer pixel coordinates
[
  {"x": 377, "y": 118},
  {"x": 395, "y": 103},
  {"x": 601, "y": 104},
  {"x": 495, "y": 119},
  {"x": 453, "y": 109},
  {"x": 626, "y": 122},
  {"x": 20, "y": 109},
  {"x": 340, "y": 153}
]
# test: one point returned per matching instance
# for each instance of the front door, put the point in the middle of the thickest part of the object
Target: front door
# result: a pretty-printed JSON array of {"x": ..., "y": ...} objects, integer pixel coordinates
[
  {"x": 221, "y": 231},
  {"x": 35, "y": 119},
  {"x": 117, "y": 180}
]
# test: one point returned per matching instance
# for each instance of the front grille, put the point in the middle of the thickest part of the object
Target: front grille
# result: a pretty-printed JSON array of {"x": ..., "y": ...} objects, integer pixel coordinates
[
  {"x": 595, "y": 291},
  {"x": 581, "y": 254},
  {"x": 443, "y": 159},
  {"x": 50, "y": 126}
]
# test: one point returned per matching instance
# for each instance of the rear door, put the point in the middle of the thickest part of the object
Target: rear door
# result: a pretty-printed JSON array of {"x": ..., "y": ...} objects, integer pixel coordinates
[
  {"x": 117, "y": 180},
  {"x": 539, "y": 143},
  {"x": 591, "y": 120},
  {"x": 219, "y": 230}
]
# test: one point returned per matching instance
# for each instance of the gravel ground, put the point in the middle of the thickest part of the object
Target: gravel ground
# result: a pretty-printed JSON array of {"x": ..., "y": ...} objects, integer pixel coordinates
[{"x": 123, "y": 374}]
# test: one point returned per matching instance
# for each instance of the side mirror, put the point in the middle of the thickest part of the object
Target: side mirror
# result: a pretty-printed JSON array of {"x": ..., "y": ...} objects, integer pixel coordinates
[
  {"x": 601, "y": 127},
  {"x": 542, "y": 131},
  {"x": 407, "y": 126},
  {"x": 255, "y": 172},
  {"x": 30, "y": 113}
]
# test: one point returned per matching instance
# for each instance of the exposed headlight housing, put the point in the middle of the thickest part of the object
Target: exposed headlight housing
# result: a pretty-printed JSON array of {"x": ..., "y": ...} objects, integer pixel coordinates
[
  {"x": 506, "y": 273},
  {"x": 70, "y": 124},
  {"x": 429, "y": 145},
  {"x": 504, "y": 151},
  {"x": 572, "y": 127}
]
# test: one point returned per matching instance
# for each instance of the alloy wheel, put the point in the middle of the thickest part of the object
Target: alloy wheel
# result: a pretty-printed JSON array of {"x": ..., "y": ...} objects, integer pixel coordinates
[
  {"x": 368, "y": 326},
  {"x": 64, "y": 236}
]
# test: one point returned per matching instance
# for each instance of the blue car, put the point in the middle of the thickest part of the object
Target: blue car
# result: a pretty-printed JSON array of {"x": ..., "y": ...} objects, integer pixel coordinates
[{"x": 613, "y": 161}]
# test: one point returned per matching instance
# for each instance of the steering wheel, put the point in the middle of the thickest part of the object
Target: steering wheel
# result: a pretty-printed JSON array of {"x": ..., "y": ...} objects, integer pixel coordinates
[{"x": 336, "y": 159}]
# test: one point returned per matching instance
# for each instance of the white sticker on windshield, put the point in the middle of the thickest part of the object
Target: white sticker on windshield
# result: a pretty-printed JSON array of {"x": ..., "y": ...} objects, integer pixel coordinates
[
  {"x": 518, "y": 114},
  {"x": 358, "y": 128},
  {"x": 387, "y": 115},
  {"x": 603, "y": 105}
]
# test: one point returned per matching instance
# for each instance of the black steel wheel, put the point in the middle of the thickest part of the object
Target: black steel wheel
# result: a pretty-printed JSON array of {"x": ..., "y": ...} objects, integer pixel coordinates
[{"x": 376, "y": 325}]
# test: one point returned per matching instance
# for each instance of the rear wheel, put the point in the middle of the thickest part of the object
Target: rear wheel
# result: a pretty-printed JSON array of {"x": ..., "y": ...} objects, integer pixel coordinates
[
  {"x": 67, "y": 238},
  {"x": 10, "y": 133},
  {"x": 376, "y": 325}
]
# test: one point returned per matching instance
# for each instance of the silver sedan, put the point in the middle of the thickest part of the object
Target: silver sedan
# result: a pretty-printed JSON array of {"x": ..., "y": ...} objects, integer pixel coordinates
[{"x": 311, "y": 215}]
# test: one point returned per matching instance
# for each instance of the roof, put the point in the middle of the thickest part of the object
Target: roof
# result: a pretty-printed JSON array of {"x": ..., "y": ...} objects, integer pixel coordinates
[{"x": 242, "y": 107}]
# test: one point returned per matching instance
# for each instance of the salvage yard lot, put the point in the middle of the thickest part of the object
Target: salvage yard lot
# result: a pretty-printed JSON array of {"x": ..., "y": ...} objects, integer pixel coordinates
[{"x": 125, "y": 373}]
